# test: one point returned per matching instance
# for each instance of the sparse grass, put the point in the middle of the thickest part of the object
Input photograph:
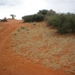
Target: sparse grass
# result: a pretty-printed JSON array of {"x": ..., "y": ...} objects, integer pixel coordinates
[
  {"x": 18, "y": 30},
  {"x": 15, "y": 33},
  {"x": 22, "y": 27},
  {"x": 27, "y": 29},
  {"x": 34, "y": 23},
  {"x": 56, "y": 51}
]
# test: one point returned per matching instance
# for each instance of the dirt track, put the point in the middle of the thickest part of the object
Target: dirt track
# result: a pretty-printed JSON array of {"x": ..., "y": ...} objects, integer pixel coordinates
[{"x": 12, "y": 63}]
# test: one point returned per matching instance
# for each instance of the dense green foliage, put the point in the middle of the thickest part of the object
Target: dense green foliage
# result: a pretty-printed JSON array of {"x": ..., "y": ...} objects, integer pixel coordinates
[
  {"x": 43, "y": 12},
  {"x": 33, "y": 18},
  {"x": 64, "y": 23}
]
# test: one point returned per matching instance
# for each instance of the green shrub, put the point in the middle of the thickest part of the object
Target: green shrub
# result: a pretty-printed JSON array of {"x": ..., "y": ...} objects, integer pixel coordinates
[
  {"x": 64, "y": 23},
  {"x": 71, "y": 22},
  {"x": 53, "y": 20},
  {"x": 51, "y": 13},
  {"x": 4, "y": 20},
  {"x": 43, "y": 12},
  {"x": 33, "y": 18}
]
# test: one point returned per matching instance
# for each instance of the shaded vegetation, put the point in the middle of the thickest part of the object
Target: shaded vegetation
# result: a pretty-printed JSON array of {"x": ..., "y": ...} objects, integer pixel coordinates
[
  {"x": 51, "y": 13},
  {"x": 64, "y": 23},
  {"x": 33, "y": 18},
  {"x": 4, "y": 20},
  {"x": 43, "y": 12}
]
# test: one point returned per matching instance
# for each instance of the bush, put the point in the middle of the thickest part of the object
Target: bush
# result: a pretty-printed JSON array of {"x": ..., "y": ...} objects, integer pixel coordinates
[
  {"x": 4, "y": 20},
  {"x": 64, "y": 23},
  {"x": 43, "y": 12},
  {"x": 53, "y": 20},
  {"x": 51, "y": 12},
  {"x": 38, "y": 17},
  {"x": 33, "y": 18},
  {"x": 62, "y": 29},
  {"x": 71, "y": 22}
]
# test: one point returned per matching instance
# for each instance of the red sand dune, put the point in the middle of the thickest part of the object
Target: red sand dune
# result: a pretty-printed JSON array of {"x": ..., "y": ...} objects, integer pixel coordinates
[{"x": 30, "y": 59}]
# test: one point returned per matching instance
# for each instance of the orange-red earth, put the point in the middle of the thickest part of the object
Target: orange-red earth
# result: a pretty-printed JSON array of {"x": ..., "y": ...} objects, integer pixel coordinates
[{"x": 35, "y": 49}]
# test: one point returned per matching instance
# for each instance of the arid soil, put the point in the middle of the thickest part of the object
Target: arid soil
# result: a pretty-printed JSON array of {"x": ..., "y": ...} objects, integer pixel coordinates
[{"x": 35, "y": 49}]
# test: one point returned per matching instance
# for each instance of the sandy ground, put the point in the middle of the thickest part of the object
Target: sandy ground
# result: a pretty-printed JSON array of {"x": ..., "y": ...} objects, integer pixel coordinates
[{"x": 34, "y": 49}]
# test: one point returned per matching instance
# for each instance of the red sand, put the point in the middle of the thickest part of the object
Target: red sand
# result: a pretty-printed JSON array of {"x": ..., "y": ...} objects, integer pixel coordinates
[{"x": 12, "y": 63}]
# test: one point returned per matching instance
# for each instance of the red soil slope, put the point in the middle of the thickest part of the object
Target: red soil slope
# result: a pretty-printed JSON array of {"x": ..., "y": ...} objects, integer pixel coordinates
[{"x": 22, "y": 60}]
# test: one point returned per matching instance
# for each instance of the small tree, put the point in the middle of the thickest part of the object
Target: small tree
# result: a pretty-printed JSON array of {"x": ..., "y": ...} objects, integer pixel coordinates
[{"x": 12, "y": 15}]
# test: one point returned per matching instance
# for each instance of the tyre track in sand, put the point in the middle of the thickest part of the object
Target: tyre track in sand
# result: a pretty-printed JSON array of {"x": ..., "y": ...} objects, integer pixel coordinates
[{"x": 7, "y": 32}]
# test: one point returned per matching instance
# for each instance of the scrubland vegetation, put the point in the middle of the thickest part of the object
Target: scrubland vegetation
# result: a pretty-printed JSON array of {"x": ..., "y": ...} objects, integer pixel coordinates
[{"x": 63, "y": 22}]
